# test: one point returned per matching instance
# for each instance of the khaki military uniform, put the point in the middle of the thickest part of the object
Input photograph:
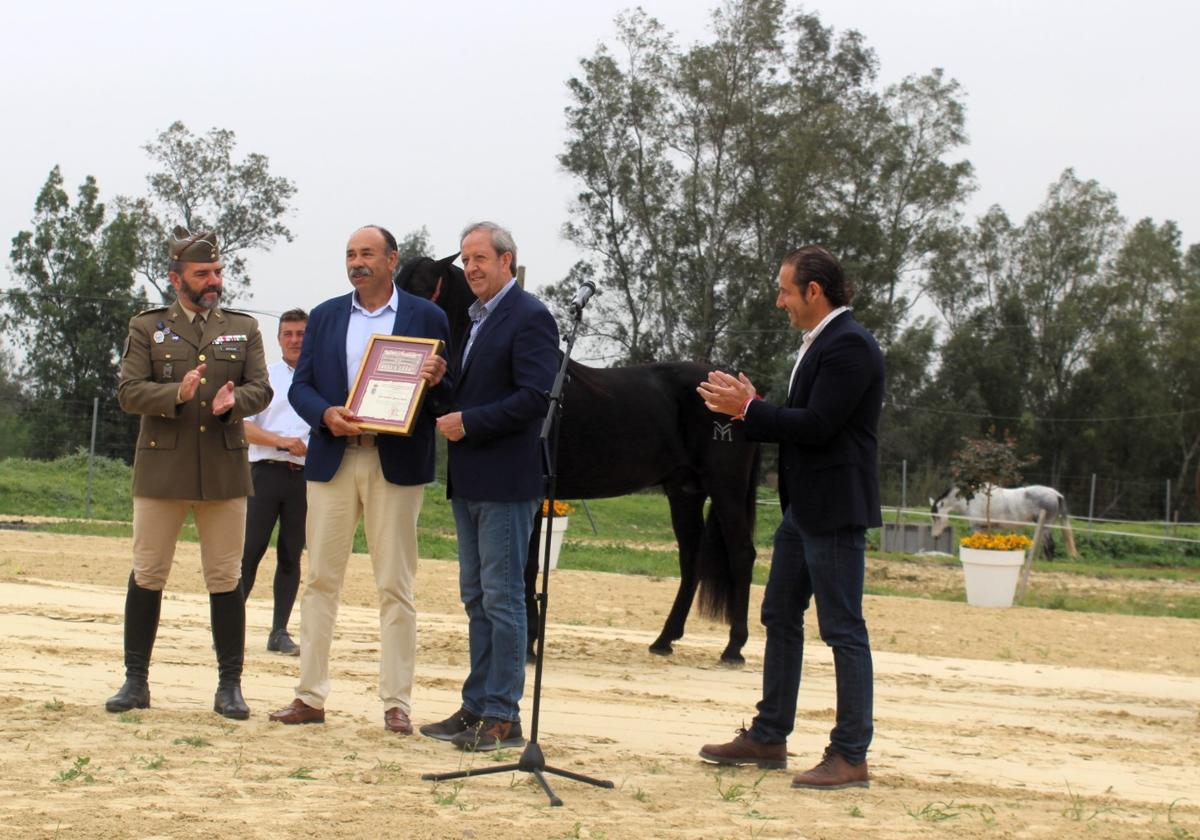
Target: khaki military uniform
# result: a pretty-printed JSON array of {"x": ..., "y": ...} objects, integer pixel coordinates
[{"x": 188, "y": 458}]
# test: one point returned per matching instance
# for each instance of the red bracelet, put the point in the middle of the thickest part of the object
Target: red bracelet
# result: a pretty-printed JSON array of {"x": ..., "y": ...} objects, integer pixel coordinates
[{"x": 741, "y": 415}]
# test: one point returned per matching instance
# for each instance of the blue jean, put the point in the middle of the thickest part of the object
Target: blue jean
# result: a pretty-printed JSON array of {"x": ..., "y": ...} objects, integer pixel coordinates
[
  {"x": 493, "y": 541},
  {"x": 830, "y": 568}
]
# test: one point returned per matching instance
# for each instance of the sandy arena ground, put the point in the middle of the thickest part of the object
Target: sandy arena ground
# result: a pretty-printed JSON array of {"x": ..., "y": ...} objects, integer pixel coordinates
[{"x": 989, "y": 723}]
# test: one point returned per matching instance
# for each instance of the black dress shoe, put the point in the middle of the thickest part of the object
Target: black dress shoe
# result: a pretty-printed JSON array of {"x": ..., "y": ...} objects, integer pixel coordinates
[
  {"x": 134, "y": 694},
  {"x": 229, "y": 703},
  {"x": 445, "y": 730},
  {"x": 280, "y": 642}
]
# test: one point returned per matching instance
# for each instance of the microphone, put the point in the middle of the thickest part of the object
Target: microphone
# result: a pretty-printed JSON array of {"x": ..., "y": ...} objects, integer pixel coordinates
[{"x": 583, "y": 296}]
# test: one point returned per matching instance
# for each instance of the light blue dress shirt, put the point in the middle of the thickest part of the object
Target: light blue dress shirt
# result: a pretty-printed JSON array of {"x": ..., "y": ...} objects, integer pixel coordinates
[
  {"x": 479, "y": 313},
  {"x": 362, "y": 325}
]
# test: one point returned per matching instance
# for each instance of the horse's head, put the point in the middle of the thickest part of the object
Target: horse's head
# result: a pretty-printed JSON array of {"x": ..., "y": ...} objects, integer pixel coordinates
[
  {"x": 940, "y": 511},
  {"x": 426, "y": 277}
]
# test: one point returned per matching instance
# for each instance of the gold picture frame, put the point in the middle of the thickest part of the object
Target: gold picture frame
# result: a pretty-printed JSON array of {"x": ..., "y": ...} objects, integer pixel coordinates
[{"x": 388, "y": 390}]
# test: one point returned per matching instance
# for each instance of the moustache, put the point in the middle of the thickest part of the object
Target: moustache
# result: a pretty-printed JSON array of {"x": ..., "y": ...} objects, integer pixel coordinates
[{"x": 360, "y": 271}]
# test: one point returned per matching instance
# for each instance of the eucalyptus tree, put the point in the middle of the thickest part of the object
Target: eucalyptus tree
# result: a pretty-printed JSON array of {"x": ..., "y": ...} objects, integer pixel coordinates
[
  {"x": 699, "y": 167},
  {"x": 197, "y": 182},
  {"x": 75, "y": 292}
]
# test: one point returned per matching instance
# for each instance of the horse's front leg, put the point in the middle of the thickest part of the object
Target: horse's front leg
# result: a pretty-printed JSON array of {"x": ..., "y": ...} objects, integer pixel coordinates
[{"x": 687, "y": 520}]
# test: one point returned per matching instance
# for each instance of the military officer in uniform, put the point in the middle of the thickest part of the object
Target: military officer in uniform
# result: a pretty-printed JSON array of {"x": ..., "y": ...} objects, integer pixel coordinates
[{"x": 192, "y": 371}]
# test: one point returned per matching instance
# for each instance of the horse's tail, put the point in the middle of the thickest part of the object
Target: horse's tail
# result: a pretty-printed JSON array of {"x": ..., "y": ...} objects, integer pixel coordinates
[
  {"x": 1066, "y": 520},
  {"x": 725, "y": 567},
  {"x": 715, "y": 571}
]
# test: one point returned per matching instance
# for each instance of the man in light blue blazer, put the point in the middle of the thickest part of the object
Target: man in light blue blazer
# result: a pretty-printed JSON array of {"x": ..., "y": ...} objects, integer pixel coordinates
[{"x": 350, "y": 472}]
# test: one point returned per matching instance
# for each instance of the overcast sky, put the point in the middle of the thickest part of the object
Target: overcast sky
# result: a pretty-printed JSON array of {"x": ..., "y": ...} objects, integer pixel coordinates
[{"x": 437, "y": 113}]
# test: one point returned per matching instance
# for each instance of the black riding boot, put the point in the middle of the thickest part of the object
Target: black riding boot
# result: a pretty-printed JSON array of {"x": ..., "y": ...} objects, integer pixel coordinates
[
  {"x": 228, "y": 611},
  {"x": 141, "y": 626}
]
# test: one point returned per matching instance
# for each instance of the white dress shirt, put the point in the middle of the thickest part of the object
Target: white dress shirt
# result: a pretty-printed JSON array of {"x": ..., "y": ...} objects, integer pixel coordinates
[
  {"x": 279, "y": 417},
  {"x": 809, "y": 338}
]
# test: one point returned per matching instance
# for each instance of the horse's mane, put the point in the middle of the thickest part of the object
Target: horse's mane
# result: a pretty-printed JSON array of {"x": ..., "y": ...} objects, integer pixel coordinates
[
  {"x": 420, "y": 276},
  {"x": 945, "y": 493},
  {"x": 588, "y": 378}
]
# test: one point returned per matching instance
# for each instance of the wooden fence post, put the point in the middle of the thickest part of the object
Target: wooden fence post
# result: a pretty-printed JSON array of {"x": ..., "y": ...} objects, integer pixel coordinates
[{"x": 1033, "y": 549}]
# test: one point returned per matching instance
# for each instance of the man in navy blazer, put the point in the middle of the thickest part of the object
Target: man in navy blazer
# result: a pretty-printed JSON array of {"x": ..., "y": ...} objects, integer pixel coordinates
[
  {"x": 350, "y": 472},
  {"x": 829, "y": 490},
  {"x": 502, "y": 376}
]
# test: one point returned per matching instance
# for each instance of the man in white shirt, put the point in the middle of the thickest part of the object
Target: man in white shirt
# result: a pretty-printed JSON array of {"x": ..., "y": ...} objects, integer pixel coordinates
[{"x": 278, "y": 440}]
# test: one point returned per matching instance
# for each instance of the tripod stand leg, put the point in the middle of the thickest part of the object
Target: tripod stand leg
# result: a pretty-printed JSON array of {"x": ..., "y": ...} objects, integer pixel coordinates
[
  {"x": 541, "y": 778},
  {"x": 462, "y": 774},
  {"x": 579, "y": 777}
]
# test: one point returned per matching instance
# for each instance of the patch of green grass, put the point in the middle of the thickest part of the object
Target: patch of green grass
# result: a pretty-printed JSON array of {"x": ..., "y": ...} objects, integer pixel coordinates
[
  {"x": 192, "y": 741},
  {"x": 304, "y": 773},
  {"x": 59, "y": 487},
  {"x": 1079, "y": 810},
  {"x": 737, "y": 791},
  {"x": 1132, "y": 603},
  {"x": 449, "y": 796},
  {"x": 155, "y": 762},
  {"x": 432, "y": 544},
  {"x": 129, "y": 717},
  {"x": 935, "y": 812},
  {"x": 620, "y": 557},
  {"x": 78, "y": 770},
  {"x": 633, "y": 536},
  {"x": 54, "y": 705}
]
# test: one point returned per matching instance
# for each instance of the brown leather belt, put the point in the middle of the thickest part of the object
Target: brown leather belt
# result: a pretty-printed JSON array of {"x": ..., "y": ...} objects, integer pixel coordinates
[
  {"x": 361, "y": 440},
  {"x": 291, "y": 465}
]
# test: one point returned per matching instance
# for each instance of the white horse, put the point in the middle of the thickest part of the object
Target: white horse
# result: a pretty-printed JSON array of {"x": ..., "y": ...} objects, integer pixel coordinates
[{"x": 1008, "y": 506}]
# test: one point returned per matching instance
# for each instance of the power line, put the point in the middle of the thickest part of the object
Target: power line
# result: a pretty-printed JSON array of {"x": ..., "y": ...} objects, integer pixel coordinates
[
  {"x": 55, "y": 296},
  {"x": 987, "y": 416}
]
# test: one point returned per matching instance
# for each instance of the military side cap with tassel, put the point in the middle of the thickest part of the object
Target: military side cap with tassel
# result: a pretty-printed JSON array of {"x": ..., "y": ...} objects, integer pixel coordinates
[{"x": 193, "y": 247}]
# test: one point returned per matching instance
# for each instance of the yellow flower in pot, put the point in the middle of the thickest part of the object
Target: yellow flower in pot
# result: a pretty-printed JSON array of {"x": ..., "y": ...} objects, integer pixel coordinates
[{"x": 991, "y": 561}]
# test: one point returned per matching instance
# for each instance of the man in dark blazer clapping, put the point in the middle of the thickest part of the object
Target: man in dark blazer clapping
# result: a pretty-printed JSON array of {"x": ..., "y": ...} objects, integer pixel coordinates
[
  {"x": 829, "y": 492},
  {"x": 502, "y": 375}
]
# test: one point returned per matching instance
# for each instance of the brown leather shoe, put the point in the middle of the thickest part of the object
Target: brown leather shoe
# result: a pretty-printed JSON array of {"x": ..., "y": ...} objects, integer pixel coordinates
[
  {"x": 490, "y": 734},
  {"x": 745, "y": 750},
  {"x": 396, "y": 719},
  {"x": 833, "y": 773},
  {"x": 298, "y": 712}
]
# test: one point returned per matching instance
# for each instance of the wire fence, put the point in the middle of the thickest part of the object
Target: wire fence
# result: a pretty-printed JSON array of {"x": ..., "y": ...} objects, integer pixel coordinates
[
  {"x": 1092, "y": 497},
  {"x": 45, "y": 429}
]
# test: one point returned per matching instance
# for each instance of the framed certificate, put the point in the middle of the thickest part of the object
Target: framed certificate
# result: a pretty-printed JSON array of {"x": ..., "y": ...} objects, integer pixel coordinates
[{"x": 388, "y": 388}]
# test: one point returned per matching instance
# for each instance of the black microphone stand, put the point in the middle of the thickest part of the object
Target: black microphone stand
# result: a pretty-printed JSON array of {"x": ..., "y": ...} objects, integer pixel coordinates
[{"x": 532, "y": 760}]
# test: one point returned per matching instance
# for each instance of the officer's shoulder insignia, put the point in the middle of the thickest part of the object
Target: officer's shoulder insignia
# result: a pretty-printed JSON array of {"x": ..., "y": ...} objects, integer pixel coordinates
[{"x": 152, "y": 310}]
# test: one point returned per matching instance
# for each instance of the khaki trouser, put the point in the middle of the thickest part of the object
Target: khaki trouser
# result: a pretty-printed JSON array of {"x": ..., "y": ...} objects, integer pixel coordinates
[
  {"x": 389, "y": 514},
  {"x": 222, "y": 528}
]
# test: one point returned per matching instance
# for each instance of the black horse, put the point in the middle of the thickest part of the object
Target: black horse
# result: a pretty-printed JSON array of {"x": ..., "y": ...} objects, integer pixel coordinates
[{"x": 628, "y": 428}]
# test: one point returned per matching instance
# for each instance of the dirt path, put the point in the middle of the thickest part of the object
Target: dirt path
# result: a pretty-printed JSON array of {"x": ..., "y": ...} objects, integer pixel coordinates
[{"x": 990, "y": 723}]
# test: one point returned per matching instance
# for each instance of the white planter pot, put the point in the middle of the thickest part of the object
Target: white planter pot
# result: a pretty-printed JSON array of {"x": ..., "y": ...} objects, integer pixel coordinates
[
  {"x": 991, "y": 575},
  {"x": 556, "y": 539}
]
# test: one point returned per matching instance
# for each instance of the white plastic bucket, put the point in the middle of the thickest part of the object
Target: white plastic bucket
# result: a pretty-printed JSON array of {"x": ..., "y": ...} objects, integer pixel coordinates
[{"x": 556, "y": 540}]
